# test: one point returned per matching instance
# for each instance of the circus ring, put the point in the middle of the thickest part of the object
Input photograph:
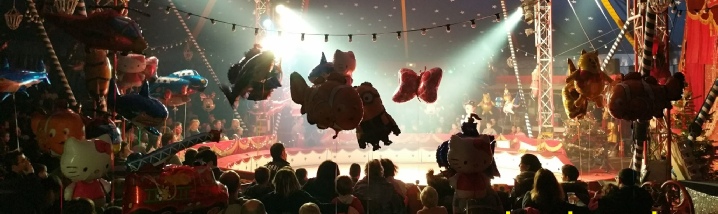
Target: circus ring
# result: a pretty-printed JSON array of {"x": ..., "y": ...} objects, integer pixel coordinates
[{"x": 413, "y": 153}]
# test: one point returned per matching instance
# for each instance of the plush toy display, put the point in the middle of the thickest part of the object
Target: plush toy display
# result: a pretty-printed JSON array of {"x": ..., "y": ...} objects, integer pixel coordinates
[
  {"x": 344, "y": 64},
  {"x": 639, "y": 98},
  {"x": 176, "y": 88},
  {"x": 85, "y": 162},
  {"x": 98, "y": 73},
  {"x": 53, "y": 130},
  {"x": 487, "y": 106},
  {"x": 134, "y": 69},
  {"x": 569, "y": 97},
  {"x": 588, "y": 81},
  {"x": 107, "y": 30},
  {"x": 12, "y": 81},
  {"x": 207, "y": 101},
  {"x": 509, "y": 102},
  {"x": 424, "y": 85},
  {"x": 139, "y": 108},
  {"x": 254, "y": 77},
  {"x": 102, "y": 126},
  {"x": 470, "y": 163},
  {"x": 377, "y": 124},
  {"x": 331, "y": 104}
]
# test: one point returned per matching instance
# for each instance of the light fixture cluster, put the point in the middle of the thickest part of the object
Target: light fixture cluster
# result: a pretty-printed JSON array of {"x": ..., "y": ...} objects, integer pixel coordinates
[{"x": 399, "y": 34}]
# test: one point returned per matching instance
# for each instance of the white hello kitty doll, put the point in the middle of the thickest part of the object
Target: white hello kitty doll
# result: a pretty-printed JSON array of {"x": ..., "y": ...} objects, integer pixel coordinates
[{"x": 85, "y": 162}]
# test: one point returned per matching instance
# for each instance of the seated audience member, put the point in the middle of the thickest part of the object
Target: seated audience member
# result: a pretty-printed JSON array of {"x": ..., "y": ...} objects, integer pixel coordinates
[
  {"x": 79, "y": 206},
  {"x": 52, "y": 187},
  {"x": 355, "y": 172},
  {"x": 322, "y": 187},
  {"x": 504, "y": 197},
  {"x": 572, "y": 184},
  {"x": 430, "y": 200},
  {"x": 376, "y": 193},
  {"x": 253, "y": 206},
  {"x": 193, "y": 127},
  {"x": 113, "y": 210},
  {"x": 202, "y": 148},
  {"x": 279, "y": 159},
  {"x": 443, "y": 187},
  {"x": 231, "y": 180},
  {"x": 309, "y": 208},
  {"x": 628, "y": 198},
  {"x": 40, "y": 170},
  {"x": 302, "y": 176},
  {"x": 287, "y": 195},
  {"x": 524, "y": 182},
  {"x": 547, "y": 196},
  {"x": 261, "y": 185},
  {"x": 174, "y": 160},
  {"x": 190, "y": 156},
  {"x": 20, "y": 184},
  {"x": 390, "y": 170},
  {"x": 209, "y": 158},
  {"x": 489, "y": 130},
  {"x": 350, "y": 204}
]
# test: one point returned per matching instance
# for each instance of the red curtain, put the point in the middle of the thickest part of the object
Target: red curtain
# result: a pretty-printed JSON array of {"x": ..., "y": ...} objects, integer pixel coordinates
[{"x": 699, "y": 50}]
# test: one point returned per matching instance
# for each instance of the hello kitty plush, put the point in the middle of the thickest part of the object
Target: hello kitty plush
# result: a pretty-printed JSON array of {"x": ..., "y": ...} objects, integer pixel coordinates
[
  {"x": 133, "y": 69},
  {"x": 469, "y": 158},
  {"x": 85, "y": 162}
]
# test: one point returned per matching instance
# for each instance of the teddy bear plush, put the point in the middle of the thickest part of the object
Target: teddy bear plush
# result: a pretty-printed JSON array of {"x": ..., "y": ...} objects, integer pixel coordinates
[
  {"x": 469, "y": 159},
  {"x": 487, "y": 105},
  {"x": 587, "y": 81}
]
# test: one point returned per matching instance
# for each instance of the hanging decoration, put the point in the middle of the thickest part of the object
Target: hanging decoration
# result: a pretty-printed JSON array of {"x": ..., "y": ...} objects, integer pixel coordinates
[
  {"x": 187, "y": 52},
  {"x": 13, "y": 18},
  {"x": 66, "y": 6},
  {"x": 424, "y": 85},
  {"x": 254, "y": 77},
  {"x": 376, "y": 124}
]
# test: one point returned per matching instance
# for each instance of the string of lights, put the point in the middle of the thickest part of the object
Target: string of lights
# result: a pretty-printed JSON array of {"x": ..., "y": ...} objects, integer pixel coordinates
[
  {"x": 350, "y": 36},
  {"x": 167, "y": 47}
]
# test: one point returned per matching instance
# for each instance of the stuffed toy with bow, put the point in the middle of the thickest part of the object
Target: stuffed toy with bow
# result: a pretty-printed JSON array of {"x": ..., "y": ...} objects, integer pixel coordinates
[
  {"x": 587, "y": 83},
  {"x": 331, "y": 104},
  {"x": 377, "y": 124},
  {"x": 470, "y": 163},
  {"x": 85, "y": 162},
  {"x": 135, "y": 69},
  {"x": 642, "y": 98}
]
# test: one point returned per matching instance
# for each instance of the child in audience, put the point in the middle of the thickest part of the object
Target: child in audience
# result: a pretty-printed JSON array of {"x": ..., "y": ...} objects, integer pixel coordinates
[
  {"x": 309, "y": 208},
  {"x": 344, "y": 189},
  {"x": 430, "y": 200}
]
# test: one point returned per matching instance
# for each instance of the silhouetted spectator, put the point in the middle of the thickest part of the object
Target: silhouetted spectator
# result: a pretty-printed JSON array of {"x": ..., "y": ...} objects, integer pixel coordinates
[
  {"x": 629, "y": 198},
  {"x": 322, "y": 187},
  {"x": 572, "y": 184},
  {"x": 302, "y": 176},
  {"x": 525, "y": 180},
  {"x": 279, "y": 159},
  {"x": 355, "y": 172},
  {"x": 261, "y": 185}
]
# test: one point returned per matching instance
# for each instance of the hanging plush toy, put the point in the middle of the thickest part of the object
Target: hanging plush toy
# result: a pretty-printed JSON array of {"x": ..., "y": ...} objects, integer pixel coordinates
[
  {"x": 377, "y": 124},
  {"x": 331, "y": 104},
  {"x": 12, "y": 81},
  {"x": 487, "y": 106},
  {"x": 254, "y": 77},
  {"x": 134, "y": 69},
  {"x": 588, "y": 80},
  {"x": 85, "y": 162},
  {"x": 176, "y": 88},
  {"x": 102, "y": 126},
  {"x": 98, "y": 73},
  {"x": 469, "y": 160},
  {"x": 424, "y": 85},
  {"x": 53, "y": 130},
  {"x": 106, "y": 30},
  {"x": 344, "y": 63},
  {"x": 637, "y": 98},
  {"x": 569, "y": 97},
  {"x": 510, "y": 102}
]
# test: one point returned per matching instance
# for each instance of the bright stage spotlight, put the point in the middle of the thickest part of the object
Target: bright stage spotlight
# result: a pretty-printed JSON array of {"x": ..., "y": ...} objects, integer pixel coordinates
[
  {"x": 267, "y": 24},
  {"x": 281, "y": 9}
]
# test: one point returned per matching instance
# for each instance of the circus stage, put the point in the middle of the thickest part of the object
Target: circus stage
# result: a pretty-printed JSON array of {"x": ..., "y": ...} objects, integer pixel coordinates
[{"x": 413, "y": 153}]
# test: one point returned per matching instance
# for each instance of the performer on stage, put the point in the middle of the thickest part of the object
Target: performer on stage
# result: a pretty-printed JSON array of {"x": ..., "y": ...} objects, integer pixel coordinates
[{"x": 470, "y": 108}]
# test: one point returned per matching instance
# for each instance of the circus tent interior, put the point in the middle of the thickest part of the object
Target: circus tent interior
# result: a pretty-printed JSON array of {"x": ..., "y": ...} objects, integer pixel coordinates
[{"x": 161, "y": 101}]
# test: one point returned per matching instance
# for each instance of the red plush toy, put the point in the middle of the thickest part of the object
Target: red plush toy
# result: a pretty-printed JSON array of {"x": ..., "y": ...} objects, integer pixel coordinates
[
  {"x": 107, "y": 30},
  {"x": 424, "y": 85}
]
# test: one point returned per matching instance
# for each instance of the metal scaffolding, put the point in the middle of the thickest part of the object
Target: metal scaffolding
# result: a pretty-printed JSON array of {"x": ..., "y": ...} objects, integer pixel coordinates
[
  {"x": 544, "y": 62},
  {"x": 261, "y": 7}
]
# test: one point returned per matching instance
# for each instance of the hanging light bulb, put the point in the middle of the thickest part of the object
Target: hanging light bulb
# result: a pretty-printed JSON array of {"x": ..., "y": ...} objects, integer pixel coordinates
[
  {"x": 674, "y": 9},
  {"x": 213, "y": 21},
  {"x": 679, "y": 13},
  {"x": 167, "y": 10},
  {"x": 498, "y": 18},
  {"x": 189, "y": 15},
  {"x": 350, "y": 37},
  {"x": 398, "y": 35},
  {"x": 423, "y": 31},
  {"x": 448, "y": 28},
  {"x": 326, "y": 37},
  {"x": 256, "y": 31},
  {"x": 147, "y": 3},
  {"x": 473, "y": 23},
  {"x": 373, "y": 37},
  {"x": 234, "y": 27},
  {"x": 302, "y": 37},
  {"x": 526, "y": 53}
]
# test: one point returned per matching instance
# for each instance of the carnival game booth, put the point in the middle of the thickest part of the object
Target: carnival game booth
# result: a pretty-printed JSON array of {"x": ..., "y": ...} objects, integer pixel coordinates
[{"x": 413, "y": 153}]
